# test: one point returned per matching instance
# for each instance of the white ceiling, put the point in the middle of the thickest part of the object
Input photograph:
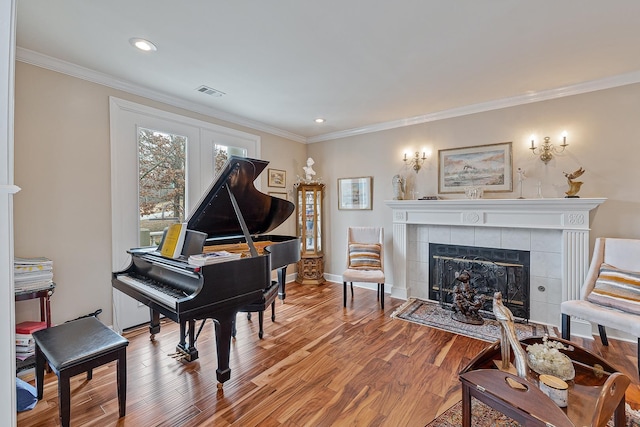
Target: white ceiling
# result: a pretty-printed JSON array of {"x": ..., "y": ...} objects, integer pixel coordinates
[{"x": 357, "y": 63}]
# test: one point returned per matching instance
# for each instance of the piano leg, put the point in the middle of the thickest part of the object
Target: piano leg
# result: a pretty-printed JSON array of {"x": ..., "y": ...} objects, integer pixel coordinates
[
  {"x": 282, "y": 280},
  {"x": 154, "y": 324},
  {"x": 224, "y": 327}
]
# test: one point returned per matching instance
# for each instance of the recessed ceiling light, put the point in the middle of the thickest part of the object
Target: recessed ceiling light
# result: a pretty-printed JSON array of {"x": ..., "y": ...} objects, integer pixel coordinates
[
  {"x": 320, "y": 120},
  {"x": 143, "y": 44}
]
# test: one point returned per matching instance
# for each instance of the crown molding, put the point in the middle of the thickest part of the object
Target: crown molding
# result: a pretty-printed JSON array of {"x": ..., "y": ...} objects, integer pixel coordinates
[
  {"x": 590, "y": 86},
  {"x": 43, "y": 61}
]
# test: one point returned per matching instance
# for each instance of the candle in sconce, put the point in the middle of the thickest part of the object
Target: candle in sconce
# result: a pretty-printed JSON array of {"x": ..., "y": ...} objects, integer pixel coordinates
[{"x": 405, "y": 156}]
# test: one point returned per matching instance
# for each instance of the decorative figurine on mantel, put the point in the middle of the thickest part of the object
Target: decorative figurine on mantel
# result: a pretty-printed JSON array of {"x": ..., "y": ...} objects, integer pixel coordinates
[
  {"x": 574, "y": 186},
  {"x": 398, "y": 187},
  {"x": 521, "y": 178},
  {"x": 466, "y": 303}
]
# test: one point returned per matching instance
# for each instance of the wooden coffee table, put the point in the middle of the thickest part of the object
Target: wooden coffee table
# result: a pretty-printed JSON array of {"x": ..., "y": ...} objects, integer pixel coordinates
[{"x": 595, "y": 394}]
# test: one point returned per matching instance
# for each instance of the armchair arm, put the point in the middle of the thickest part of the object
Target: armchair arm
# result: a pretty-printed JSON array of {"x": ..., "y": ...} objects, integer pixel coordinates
[{"x": 594, "y": 268}]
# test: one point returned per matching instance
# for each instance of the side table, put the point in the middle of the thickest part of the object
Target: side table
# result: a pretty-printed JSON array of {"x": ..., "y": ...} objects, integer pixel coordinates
[
  {"x": 44, "y": 294},
  {"x": 595, "y": 394}
]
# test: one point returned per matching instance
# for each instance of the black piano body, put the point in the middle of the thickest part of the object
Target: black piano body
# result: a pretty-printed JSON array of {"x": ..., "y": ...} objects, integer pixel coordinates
[{"x": 231, "y": 211}]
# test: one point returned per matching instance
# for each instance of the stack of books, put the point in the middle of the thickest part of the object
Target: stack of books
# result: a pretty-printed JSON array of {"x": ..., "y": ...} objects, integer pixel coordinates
[
  {"x": 212, "y": 257},
  {"x": 32, "y": 273},
  {"x": 25, "y": 346}
]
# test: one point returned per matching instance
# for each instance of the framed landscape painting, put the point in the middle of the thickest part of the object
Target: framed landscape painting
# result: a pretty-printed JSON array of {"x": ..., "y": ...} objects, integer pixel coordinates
[
  {"x": 486, "y": 166},
  {"x": 277, "y": 178},
  {"x": 355, "y": 193}
]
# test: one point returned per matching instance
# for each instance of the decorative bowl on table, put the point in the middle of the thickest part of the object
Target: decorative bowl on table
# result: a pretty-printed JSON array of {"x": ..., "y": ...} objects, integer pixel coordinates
[{"x": 547, "y": 359}]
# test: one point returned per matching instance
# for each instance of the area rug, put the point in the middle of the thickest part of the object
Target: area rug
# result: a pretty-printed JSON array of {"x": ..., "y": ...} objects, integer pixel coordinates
[
  {"x": 431, "y": 314},
  {"x": 484, "y": 416}
]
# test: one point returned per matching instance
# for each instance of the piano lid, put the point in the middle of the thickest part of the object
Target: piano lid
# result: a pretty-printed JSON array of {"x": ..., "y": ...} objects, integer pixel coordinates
[{"x": 215, "y": 214}]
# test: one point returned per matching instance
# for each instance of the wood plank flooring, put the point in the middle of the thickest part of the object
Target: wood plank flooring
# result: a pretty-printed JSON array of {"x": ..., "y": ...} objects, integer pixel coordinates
[{"x": 319, "y": 364}]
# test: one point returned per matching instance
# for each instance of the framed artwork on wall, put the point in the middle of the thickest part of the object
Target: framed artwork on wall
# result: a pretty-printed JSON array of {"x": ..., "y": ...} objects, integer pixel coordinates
[
  {"x": 486, "y": 166},
  {"x": 355, "y": 193},
  {"x": 277, "y": 178},
  {"x": 278, "y": 194}
]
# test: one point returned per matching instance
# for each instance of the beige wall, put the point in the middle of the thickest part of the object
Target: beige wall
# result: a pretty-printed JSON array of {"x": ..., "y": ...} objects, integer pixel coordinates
[
  {"x": 604, "y": 138},
  {"x": 62, "y": 165}
]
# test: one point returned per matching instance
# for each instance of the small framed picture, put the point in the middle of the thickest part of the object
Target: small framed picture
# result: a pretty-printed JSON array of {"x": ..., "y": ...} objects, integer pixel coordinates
[
  {"x": 278, "y": 194},
  {"x": 355, "y": 193},
  {"x": 277, "y": 178}
]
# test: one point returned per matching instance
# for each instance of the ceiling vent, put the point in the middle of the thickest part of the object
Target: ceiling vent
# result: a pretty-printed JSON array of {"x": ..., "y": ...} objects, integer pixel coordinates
[{"x": 209, "y": 91}]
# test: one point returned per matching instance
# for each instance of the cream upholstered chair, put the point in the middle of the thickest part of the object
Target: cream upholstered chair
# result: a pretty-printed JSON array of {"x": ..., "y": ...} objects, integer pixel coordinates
[
  {"x": 365, "y": 259},
  {"x": 610, "y": 295}
]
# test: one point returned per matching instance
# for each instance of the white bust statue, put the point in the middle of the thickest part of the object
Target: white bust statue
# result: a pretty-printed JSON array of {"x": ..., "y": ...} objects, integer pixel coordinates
[{"x": 308, "y": 170}]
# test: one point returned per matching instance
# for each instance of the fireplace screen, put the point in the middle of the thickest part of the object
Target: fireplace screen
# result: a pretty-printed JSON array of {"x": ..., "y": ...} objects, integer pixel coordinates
[{"x": 491, "y": 270}]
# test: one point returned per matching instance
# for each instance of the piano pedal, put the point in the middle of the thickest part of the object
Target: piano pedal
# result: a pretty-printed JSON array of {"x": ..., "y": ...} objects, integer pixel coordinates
[{"x": 185, "y": 355}]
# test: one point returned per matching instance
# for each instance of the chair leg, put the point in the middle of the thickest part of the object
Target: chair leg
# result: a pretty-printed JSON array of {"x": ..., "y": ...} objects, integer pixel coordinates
[
  {"x": 351, "y": 289},
  {"x": 566, "y": 327},
  {"x": 638, "y": 357},
  {"x": 603, "y": 335},
  {"x": 273, "y": 311},
  {"x": 122, "y": 381},
  {"x": 64, "y": 396},
  {"x": 344, "y": 294},
  {"x": 381, "y": 293}
]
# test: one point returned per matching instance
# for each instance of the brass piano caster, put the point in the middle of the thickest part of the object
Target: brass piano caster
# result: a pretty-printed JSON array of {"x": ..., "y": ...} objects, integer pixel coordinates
[
  {"x": 220, "y": 385},
  {"x": 152, "y": 337}
]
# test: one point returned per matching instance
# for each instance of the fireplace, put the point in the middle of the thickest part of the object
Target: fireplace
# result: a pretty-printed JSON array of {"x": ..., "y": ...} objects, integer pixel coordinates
[
  {"x": 555, "y": 232},
  {"x": 490, "y": 270}
]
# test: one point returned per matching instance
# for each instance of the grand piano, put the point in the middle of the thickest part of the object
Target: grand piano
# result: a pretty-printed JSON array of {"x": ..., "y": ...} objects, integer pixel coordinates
[{"x": 232, "y": 212}]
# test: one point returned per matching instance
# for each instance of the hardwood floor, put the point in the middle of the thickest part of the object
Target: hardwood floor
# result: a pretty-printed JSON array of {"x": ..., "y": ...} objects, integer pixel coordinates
[{"x": 318, "y": 365}]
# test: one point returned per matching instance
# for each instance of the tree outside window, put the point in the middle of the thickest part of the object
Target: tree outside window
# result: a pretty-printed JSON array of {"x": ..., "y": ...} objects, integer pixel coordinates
[{"x": 161, "y": 191}]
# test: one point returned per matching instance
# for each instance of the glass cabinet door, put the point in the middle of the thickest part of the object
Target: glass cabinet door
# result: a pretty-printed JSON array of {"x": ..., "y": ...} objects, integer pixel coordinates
[{"x": 310, "y": 217}]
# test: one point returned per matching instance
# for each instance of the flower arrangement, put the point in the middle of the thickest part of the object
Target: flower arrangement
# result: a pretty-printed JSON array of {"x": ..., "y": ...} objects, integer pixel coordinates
[{"x": 546, "y": 358}]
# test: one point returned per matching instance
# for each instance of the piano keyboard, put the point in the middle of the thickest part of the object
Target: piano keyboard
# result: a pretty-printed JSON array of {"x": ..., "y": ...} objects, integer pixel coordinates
[{"x": 156, "y": 290}]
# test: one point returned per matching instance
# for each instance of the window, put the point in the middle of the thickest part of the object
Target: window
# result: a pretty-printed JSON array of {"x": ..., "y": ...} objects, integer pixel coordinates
[
  {"x": 221, "y": 154},
  {"x": 161, "y": 186}
]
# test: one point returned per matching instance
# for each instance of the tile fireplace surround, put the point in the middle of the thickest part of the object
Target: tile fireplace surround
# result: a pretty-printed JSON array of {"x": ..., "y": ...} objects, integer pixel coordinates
[{"x": 554, "y": 231}]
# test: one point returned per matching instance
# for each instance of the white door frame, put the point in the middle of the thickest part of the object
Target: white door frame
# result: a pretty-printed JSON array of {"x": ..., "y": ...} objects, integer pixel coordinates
[{"x": 126, "y": 118}]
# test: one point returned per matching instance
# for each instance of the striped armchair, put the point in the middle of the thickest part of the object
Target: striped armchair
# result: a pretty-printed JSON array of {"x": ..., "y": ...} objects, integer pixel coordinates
[{"x": 365, "y": 259}]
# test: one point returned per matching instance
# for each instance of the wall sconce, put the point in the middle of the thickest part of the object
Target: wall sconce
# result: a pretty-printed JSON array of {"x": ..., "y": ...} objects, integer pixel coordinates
[
  {"x": 416, "y": 161},
  {"x": 547, "y": 149}
]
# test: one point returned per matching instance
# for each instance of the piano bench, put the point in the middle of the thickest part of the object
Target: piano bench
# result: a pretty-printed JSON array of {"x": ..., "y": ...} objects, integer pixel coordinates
[
  {"x": 76, "y": 347},
  {"x": 268, "y": 298}
]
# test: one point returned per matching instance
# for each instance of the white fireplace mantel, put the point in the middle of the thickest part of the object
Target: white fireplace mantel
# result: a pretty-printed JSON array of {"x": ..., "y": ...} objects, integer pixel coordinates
[
  {"x": 565, "y": 214},
  {"x": 567, "y": 218}
]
